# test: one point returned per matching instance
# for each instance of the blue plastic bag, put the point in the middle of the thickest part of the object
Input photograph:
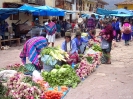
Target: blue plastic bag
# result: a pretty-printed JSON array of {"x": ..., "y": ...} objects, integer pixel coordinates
[{"x": 48, "y": 60}]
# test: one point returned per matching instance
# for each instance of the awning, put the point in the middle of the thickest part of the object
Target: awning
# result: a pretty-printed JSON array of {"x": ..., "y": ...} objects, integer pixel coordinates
[
  {"x": 123, "y": 11},
  {"x": 49, "y": 11},
  {"x": 6, "y": 12},
  {"x": 105, "y": 12},
  {"x": 43, "y": 10},
  {"x": 28, "y": 8},
  {"x": 122, "y": 15},
  {"x": 70, "y": 12}
]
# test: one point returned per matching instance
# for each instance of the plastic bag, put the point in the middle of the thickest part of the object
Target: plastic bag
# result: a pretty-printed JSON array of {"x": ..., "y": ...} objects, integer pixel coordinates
[
  {"x": 36, "y": 76},
  {"x": 6, "y": 74},
  {"x": 48, "y": 60}
]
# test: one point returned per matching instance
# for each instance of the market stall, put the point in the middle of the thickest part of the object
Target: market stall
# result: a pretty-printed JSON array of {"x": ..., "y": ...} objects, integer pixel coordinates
[
  {"x": 42, "y": 10},
  {"x": 56, "y": 78}
]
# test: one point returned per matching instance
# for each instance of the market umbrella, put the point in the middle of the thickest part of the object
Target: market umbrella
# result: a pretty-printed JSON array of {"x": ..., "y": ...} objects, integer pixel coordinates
[{"x": 49, "y": 11}]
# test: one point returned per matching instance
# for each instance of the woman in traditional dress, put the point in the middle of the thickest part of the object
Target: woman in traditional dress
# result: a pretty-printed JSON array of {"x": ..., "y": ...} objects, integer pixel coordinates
[
  {"x": 107, "y": 37},
  {"x": 70, "y": 47},
  {"x": 50, "y": 30},
  {"x": 32, "y": 49},
  {"x": 126, "y": 29},
  {"x": 80, "y": 42}
]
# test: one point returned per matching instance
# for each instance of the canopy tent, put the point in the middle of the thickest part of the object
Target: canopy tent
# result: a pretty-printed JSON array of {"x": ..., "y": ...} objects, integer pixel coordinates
[
  {"x": 70, "y": 12},
  {"x": 42, "y": 10},
  {"x": 6, "y": 12},
  {"x": 123, "y": 11},
  {"x": 28, "y": 8},
  {"x": 97, "y": 15},
  {"x": 48, "y": 11},
  {"x": 105, "y": 12},
  {"x": 85, "y": 15},
  {"x": 122, "y": 15}
]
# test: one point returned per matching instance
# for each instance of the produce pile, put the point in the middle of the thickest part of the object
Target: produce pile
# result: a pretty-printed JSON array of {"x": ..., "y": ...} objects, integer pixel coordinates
[
  {"x": 61, "y": 75},
  {"x": 86, "y": 66},
  {"x": 53, "y": 84},
  {"x": 18, "y": 89},
  {"x": 54, "y": 52}
]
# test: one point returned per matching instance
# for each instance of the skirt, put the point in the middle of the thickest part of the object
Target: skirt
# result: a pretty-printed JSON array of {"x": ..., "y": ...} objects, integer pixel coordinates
[
  {"x": 50, "y": 38},
  {"x": 126, "y": 36},
  {"x": 73, "y": 58}
]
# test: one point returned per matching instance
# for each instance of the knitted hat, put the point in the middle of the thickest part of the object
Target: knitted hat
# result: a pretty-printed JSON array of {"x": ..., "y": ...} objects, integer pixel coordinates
[
  {"x": 67, "y": 34},
  {"x": 78, "y": 33},
  {"x": 126, "y": 20}
]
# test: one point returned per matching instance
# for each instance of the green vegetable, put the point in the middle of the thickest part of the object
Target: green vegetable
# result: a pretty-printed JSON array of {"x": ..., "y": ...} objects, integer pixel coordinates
[
  {"x": 89, "y": 59},
  {"x": 96, "y": 48},
  {"x": 61, "y": 76}
]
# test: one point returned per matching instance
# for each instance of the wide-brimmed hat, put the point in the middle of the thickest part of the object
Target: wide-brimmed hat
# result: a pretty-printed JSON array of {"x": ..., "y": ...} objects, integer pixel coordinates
[
  {"x": 67, "y": 34},
  {"x": 105, "y": 22},
  {"x": 78, "y": 33},
  {"x": 114, "y": 19},
  {"x": 126, "y": 20}
]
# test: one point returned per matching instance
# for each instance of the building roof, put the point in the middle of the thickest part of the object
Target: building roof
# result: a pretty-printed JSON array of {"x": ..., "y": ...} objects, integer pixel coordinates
[
  {"x": 125, "y": 2},
  {"x": 103, "y": 2}
]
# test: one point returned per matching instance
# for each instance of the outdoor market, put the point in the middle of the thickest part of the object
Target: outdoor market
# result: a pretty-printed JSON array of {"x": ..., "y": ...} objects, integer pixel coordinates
[{"x": 51, "y": 72}]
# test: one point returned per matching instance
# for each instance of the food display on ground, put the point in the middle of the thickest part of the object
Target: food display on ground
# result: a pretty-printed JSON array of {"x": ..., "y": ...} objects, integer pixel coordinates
[{"x": 53, "y": 84}]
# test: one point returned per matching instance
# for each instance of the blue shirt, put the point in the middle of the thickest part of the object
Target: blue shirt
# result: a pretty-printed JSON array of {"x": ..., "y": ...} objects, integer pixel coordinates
[
  {"x": 72, "y": 44},
  {"x": 79, "y": 42}
]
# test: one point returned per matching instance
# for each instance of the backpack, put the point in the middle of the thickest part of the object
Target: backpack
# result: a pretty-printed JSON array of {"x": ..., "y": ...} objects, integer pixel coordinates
[{"x": 126, "y": 28}]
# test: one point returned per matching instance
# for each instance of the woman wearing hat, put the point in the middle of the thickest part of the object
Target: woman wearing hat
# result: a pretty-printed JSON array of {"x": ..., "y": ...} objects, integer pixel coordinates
[
  {"x": 79, "y": 42},
  {"x": 70, "y": 47},
  {"x": 126, "y": 29}
]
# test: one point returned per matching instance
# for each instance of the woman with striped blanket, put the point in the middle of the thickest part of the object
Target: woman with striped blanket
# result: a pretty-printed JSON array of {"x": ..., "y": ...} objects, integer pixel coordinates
[
  {"x": 50, "y": 29},
  {"x": 32, "y": 49}
]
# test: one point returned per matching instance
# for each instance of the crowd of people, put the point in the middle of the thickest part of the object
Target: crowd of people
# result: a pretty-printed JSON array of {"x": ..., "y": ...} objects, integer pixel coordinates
[{"x": 111, "y": 29}]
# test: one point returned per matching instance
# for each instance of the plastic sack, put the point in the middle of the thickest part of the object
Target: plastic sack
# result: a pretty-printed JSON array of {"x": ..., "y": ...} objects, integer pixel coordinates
[
  {"x": 36, "y": 76},
  {"x": 6, "y": 74},
  {"x": 90, "y": 51},
  {"x": 48, "y": 60}
]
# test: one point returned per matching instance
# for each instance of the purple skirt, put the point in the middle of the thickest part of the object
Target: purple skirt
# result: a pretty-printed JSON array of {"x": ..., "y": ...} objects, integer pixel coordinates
[{"x": 126, "y": 36}]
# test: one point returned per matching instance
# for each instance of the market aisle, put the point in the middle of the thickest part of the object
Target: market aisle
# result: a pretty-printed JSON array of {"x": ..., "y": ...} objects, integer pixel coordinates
[{"x": 113, "y": 81}]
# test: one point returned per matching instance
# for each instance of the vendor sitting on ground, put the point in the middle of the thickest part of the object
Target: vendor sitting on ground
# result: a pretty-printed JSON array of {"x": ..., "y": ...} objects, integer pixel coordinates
[
  {"x": 70, "y": 47},
  {"x": 32, "y": 49},
  {"x": 79, "y": 42}
]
